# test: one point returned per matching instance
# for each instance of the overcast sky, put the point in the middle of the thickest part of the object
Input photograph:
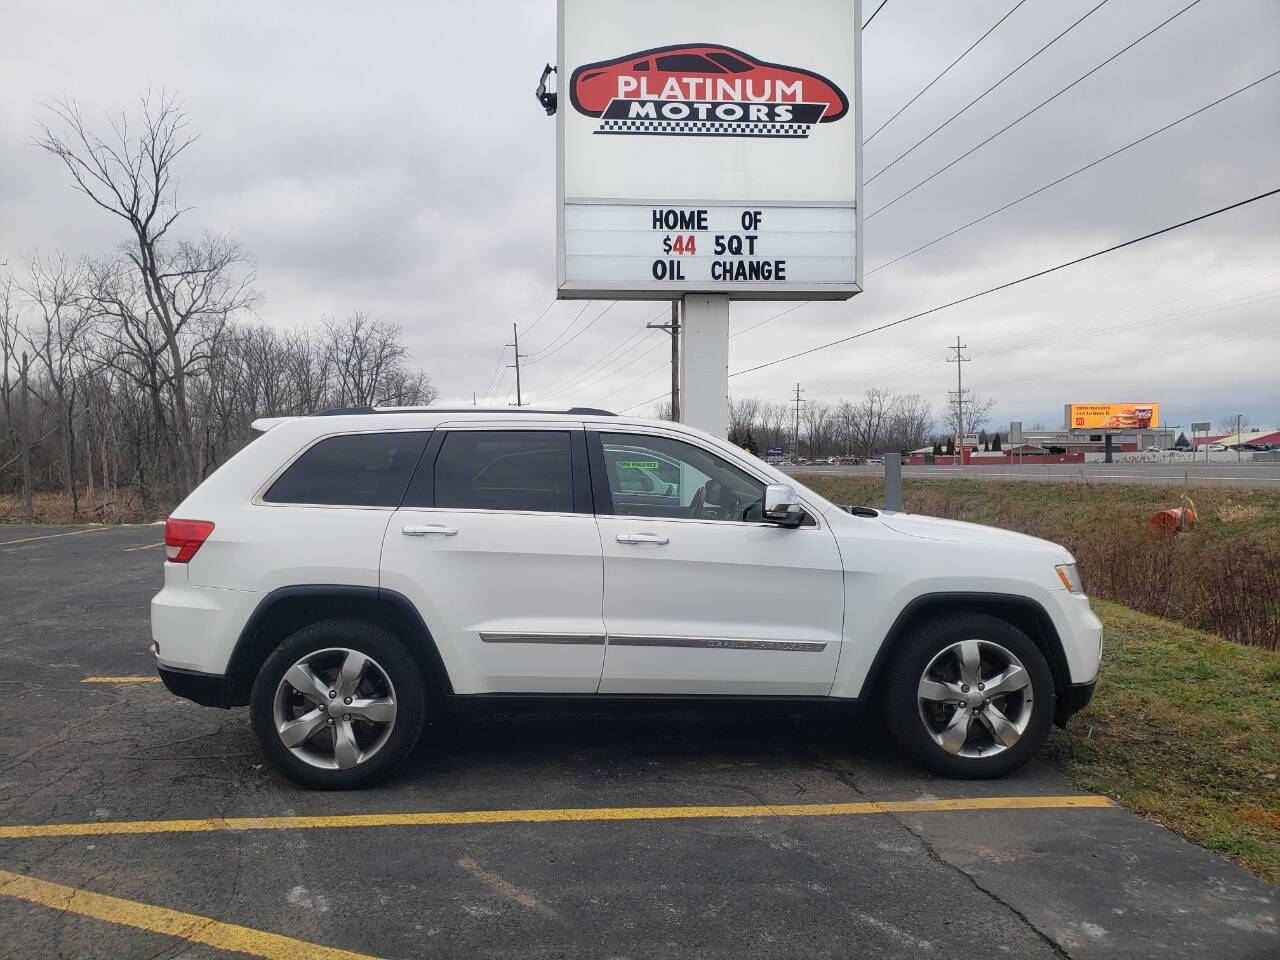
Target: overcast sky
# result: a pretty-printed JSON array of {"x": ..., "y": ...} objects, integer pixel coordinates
[{"x": 391, "y": 158}]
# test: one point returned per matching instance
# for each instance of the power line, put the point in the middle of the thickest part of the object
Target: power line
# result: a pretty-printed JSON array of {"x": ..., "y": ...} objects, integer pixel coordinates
[
  {"x": 945, "y": 71},
  {"x": 498, "y": 366},
  {"x": 1038, "y": 106},
  {"x": 614, "y": 353},
  {"x": 1078, "y": 170},
  {"x": 914, "y": 366},
  {"x": 1014, "y": 283},
  {"x": 803, "y": 303},
  {"x": 545, "y": 311},
  {"x": 873, "y": 14},
  {"x": 584, "y": 374},
  {"x": 546, "y": 356},
  {"x": 618, "y": 369},
  {"x": 643, "y": 376},
  {"x": 566, "y": 329},
  {"x": 963, "y": 109}
]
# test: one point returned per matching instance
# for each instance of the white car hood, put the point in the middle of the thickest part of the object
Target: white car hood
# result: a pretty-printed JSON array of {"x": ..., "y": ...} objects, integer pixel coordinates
[{"x": 957, "y": 531}]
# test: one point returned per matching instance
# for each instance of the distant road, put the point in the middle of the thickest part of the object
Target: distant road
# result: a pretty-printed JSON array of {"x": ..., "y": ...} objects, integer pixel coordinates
[{"x": 1244, "y": 474}]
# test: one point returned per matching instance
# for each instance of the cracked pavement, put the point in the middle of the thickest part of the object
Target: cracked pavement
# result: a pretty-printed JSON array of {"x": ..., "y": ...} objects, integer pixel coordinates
[{"x": 1079, "y": 883}]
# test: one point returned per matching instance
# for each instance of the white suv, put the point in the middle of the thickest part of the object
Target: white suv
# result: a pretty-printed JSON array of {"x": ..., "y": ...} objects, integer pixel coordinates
[{"x": 349, "y": 574}]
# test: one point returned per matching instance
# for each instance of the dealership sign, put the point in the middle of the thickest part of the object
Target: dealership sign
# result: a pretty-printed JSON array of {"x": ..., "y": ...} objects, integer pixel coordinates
[
  {"x": 1112, "y": 416},
  {"x": 709, "y": 148}
]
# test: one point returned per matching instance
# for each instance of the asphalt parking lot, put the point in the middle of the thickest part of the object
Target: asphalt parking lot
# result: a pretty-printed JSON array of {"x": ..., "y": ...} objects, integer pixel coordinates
[{"x": 134, "y": 824}]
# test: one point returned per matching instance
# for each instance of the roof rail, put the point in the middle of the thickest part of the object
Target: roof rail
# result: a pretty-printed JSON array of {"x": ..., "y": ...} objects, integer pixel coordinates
[{"x": 357, "y": 411}]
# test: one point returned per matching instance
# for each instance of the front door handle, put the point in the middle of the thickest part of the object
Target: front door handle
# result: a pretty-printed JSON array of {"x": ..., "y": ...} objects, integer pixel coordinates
[
  {"x": 422, "y": 529},
  {"x": 642, "y": 538}
]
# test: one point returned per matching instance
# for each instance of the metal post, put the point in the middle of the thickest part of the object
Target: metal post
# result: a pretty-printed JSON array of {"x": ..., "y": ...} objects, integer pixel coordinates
[
  {"x": 1238, "y": 416},
  {"x": 675, "y": 360},
  {"x": 704, "y": 363},
  {"x": 515, "y": 344},
  {"x": 673, "y": 328},
  {"x": 795, "y": 436},
  {"x": 893, "y": 481}
]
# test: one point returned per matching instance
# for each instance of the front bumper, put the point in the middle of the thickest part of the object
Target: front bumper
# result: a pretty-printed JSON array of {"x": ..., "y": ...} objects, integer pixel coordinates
[{"x": 1078, "y": 697}]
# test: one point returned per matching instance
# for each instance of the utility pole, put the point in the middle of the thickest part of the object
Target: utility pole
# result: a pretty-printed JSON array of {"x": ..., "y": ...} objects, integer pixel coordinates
[
  {"x": 797, "y": 399},
  {"x": 959, "y": 360},
  {"x": 515, "y": 344},
  {"x": 674, "y": 329}
]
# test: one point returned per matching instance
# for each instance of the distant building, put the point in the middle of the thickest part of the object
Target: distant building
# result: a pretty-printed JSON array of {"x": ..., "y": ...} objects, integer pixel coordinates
[{"x": 1246, "y": 438}]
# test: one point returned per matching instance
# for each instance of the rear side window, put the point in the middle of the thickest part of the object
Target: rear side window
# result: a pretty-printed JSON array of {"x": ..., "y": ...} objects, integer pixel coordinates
[
  {"x": 353, "y": 470},
  {"x": 505, "y": 470}
]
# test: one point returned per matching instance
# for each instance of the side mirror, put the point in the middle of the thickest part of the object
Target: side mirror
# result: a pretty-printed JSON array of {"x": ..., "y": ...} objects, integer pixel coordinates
[{"x": 782, "y": 506}]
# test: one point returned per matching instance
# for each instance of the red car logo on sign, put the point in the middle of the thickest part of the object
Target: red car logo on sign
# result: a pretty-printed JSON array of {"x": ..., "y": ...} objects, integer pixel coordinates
[{"x": 704, "y": 90}]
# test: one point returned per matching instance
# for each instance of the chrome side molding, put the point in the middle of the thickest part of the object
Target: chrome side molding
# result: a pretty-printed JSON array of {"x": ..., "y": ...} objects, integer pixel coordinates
[
  {"x": 719, "y": 643},
  {"x": 590, "y": 639}
]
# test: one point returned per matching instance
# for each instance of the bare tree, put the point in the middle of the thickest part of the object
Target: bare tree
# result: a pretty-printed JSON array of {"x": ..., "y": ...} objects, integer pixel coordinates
[
  {"x": 977, "y": 413},
  {"x": 131, "y": 177},
  {"x": 818, "y": 419},
  {"x": 912, "y": 423},
  {"x": 873, "y": 413},
  {"x": 367, "y": 357},
  {"x": 743, "y": 412},
  {"x": 16, "y": 414},
  {"x": 58, "y": 339},
  {"x": 1229, "y": 424}
]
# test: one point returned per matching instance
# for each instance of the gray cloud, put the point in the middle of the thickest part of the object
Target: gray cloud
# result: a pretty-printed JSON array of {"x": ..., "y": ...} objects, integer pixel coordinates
[{"x": 393, "y": 159}]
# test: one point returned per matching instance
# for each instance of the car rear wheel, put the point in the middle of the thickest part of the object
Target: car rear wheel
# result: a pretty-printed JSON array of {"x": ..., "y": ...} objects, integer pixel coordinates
[
  {"x": 339, "y": 704},
  {"x": 970, "y": 696}
]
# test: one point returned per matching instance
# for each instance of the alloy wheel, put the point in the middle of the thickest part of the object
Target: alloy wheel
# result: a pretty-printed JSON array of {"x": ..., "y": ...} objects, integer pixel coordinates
[
  {"x": 335, "y": 708},
  {"x": 975, "y": 698}
]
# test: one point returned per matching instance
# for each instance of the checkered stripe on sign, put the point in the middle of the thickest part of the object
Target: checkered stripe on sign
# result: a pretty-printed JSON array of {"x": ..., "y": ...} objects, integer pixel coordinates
[{"x": 706, "y": 127}]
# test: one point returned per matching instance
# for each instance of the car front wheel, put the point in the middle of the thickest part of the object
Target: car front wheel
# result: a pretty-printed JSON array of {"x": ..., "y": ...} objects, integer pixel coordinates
[
  {"x": 970, "y": 696},
  {"x": 339, "y": 704}
]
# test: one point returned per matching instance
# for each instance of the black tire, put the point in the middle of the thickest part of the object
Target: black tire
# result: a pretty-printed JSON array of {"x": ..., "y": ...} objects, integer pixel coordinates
[
  {"x": 901, "y": 699},
  {"x": 395, "y": 661}
]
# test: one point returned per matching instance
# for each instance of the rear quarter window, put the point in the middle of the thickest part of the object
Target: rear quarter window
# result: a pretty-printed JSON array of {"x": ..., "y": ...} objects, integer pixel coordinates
[{"x": 351, "y": 470}]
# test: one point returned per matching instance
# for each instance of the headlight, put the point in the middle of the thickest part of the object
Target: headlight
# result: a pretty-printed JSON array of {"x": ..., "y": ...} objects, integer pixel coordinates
[{"x": 1070, "y": 577}]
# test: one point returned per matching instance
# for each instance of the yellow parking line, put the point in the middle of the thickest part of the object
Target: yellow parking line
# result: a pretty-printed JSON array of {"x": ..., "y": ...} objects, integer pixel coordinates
[
  {"x": 173, "y": 923},
  {"x": 582, "y": 814},
  {"x": 50, "y": 536},
  {"x": 145, "y": 546},
  {"x": 146, "y": 679}
]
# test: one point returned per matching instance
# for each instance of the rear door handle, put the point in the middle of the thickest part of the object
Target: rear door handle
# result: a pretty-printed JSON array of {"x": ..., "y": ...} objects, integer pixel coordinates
[
  {"x": 642, "y": 538},
  {"x": 421, "y": 530}
]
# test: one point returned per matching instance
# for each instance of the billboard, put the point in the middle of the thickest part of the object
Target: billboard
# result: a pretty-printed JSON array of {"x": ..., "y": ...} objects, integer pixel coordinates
[
  {"x": 710, "y": 147},
  {"x": 1113, "y": 416}
]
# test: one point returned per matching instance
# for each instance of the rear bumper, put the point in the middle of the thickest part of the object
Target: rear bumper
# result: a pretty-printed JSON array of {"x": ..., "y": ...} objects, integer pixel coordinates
[{"x": 206, "y": 689}]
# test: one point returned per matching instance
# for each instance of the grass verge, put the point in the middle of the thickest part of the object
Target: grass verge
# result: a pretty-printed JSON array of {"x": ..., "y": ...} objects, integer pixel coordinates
[{"x": 1185, "y": 729}]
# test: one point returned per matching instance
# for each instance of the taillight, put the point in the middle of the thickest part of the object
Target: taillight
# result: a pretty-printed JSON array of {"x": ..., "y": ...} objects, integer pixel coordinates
[{"x": 182, "y": 538}]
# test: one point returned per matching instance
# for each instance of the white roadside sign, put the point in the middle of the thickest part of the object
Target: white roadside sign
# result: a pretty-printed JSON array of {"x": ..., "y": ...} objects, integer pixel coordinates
[{"x": 710, "y": 147}]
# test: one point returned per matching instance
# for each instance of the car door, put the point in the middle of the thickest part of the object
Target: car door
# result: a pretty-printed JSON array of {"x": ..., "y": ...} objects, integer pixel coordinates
[
  {"x": 496, "y": 545},
  {"x": 701, "y": 596}
]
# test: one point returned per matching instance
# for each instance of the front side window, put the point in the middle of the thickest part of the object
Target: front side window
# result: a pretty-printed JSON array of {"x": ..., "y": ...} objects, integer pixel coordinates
[
  {"x": 652, "y": 476},
  {"x": 353, "y": 470},
  {"x": 505, "y": 470}
]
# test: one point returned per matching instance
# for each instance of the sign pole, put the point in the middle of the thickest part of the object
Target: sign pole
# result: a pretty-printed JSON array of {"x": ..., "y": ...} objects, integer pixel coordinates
[{"x": 704, "y": 363}]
